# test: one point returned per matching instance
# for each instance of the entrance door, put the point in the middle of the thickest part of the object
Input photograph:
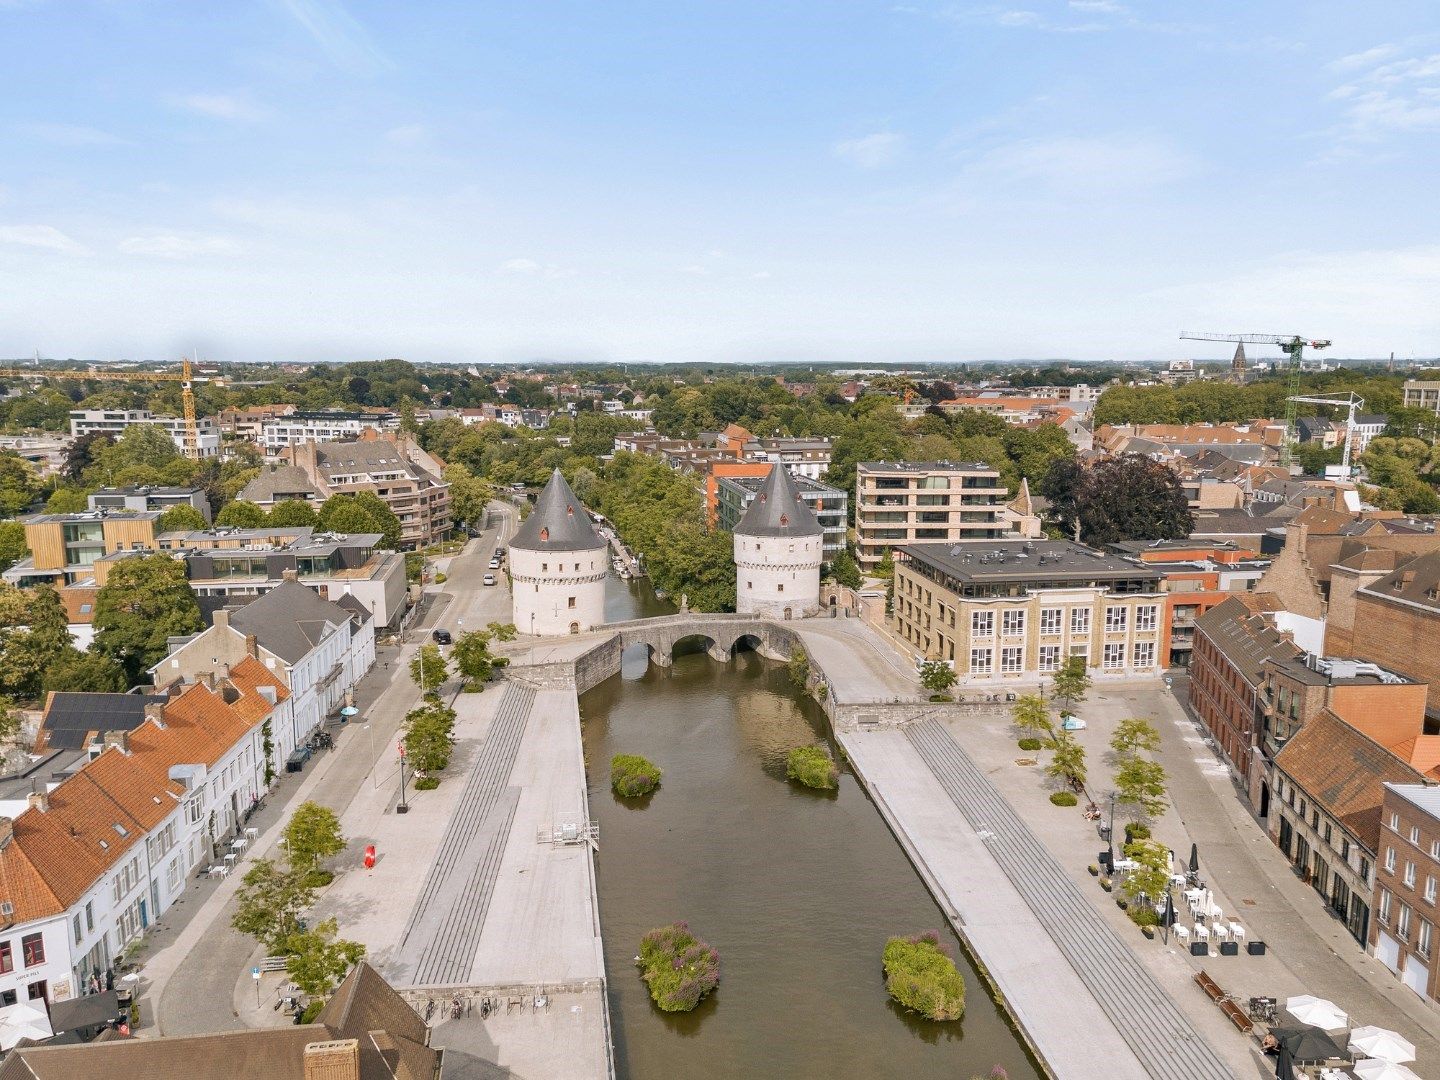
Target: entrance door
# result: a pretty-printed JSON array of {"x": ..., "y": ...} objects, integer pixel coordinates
[
  {"x": 1387, "y": 951},
  {"x": 144, "y": 914},
  {"x": 1416, "y": 975}
]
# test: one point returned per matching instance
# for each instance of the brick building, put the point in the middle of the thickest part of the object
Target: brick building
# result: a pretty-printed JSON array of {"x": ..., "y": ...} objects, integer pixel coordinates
[
  {"x": 1232, "y": 642},
  {"x": 1406, "y": 884},
  {"x": 1396, "y": 620}
]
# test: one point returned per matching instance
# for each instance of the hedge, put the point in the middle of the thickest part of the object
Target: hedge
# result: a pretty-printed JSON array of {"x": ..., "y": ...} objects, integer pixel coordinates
[
  {"x": 678, "y": 967},
  {"x": 632, "y": 775},
  {"x": 1030, "y": 744},
  {"x": 920, "y": 975},
  {"x": 1064, "y": 798},
  {"x": 811, "y": 766}
]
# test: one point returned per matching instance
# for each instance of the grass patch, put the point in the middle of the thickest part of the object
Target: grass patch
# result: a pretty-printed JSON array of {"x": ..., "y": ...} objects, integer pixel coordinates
[
  {"x": 678, "y": 967},
  {"x": 1064, "y": 798},
  {"x": 427, "y": 783},
  {"x": 920, "y": 975},
  {"x": 318, "y": 879},
  {"x": 811, "y": 766},
  {"x": 1030, "y": 744},
  {"x": 631, "y": 775}
]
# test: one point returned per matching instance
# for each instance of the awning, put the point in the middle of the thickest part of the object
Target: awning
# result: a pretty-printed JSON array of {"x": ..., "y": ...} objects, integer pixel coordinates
[{"x": 92, "y": 1010}]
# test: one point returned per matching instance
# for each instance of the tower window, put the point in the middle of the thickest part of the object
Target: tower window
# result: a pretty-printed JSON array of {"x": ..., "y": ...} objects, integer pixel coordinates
[
  {"x": 572, "y": 602},
  {"x": 780, "y": 588},
  {"x": 544, "y": 533}
]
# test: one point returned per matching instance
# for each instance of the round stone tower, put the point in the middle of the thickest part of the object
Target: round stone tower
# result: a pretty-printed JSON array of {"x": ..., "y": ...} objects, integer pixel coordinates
[
  {"x": 778, "y": 550},
  {"x": 558, "y": 565}
]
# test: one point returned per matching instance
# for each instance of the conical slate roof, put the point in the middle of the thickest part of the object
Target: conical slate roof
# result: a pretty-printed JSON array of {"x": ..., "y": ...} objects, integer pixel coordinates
[
  {"x": 558, "y": 522},
  {"x": 778, "y": 509}
]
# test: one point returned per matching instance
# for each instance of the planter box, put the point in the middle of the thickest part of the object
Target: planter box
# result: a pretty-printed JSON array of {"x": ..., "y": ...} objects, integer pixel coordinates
[
  {"x": 1255, "y": 948},
  {"x": 1229, "y": 948},
  {"x": 1199, "y": 948}
]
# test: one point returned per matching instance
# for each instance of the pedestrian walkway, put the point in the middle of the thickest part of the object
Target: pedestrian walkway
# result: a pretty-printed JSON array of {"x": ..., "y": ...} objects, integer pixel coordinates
[
  {"x": 440, "y": 941},
  {"x": 1160, "y": 1037}
]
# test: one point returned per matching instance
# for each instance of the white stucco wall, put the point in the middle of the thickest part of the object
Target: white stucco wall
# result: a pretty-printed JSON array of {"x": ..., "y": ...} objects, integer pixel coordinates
[
  {"x": 776, "y": 573},
  {"x": 555, "y": 592}
]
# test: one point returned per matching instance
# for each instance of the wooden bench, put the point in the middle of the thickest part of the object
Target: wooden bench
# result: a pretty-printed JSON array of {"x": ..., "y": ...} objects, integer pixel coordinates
[{"x": 1238, "y": 1016}]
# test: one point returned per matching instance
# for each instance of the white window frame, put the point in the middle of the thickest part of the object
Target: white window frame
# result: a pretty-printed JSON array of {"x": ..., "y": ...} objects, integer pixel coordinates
[
  {"x": 1052, "y": 621},
  {"x": 1049, "y": 658},
  {"x": 982, "y": 661},
  {"x": 1080, "y": 620},
  {"x": 1117, "y": 618},
  {"x": 1112, "y": 658},
  {"x": 1145, "y": 650},
  {"x": 982, "y": 624},
  {"x": 1012, "y": 660},
  {"x": 1147, "y": 617},
  {"x": 1390, "y": 860},
  {"x": 1012, "y": 622}
]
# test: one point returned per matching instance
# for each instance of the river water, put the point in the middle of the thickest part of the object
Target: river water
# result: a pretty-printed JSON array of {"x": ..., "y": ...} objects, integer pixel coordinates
[{"x": 798, "y": 890}]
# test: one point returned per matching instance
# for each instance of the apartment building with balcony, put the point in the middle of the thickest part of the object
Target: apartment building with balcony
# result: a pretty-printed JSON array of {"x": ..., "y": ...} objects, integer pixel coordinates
[
  {"x": 113, "y": 422},
  {"x": 1422, "y": 394},
  {"x": 735, "y": 493},
  {"x": 1015, "y": 610},
  {"x": 64, "y": 548},
  {"x": 278, "y": 432},
  {"x": 915, "y": 502}
]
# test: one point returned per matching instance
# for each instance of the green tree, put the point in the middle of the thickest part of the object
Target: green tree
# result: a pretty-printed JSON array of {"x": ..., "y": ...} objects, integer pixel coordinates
[
  {"x": 937, "y": 676},
  {"x": 183, "y": 517},
  {"x": 76, "y": 672},
  {"x": 472, "y": 659},
  {"x": 429, "y": 738},
  {"x": 428, "y": 668},
  {"x": 844, "y": 570},
  {"x": 469, "y": 495},
  {"x": 67, "y": 500},
  {"x": 294, "y": 514},
  {"x": 502, "y": 631},
  {"x": 1140, "y": 783},
  {"x": 19, "y": 486},
  {"x": 1151, "y": 878},
  {"x": 1134, "y": 735},
  {"x": 34, "y": 635},
  {"x": 1067, "y": 760},
  {"x": 312, "y": 835},
  {"x": 1126, "y": 497},
  {"x": 1032, "y": 716},
  {"x": 1072, "y": 681},
  {"x": 697, "y": 563},
  {"x": 362, "y": 512},
  {"x": 145, "y": 601},
  {"x": 81, "y": 454},
  {"x": 921, "y": 975},
  {"x": 241, "y": 515},
  {"x": 13, "y": 547},
  {"x": 885, "y": 568},
  {"x": 270, "y": 903},
  {"x": 317, "y": 960},
  {"x": 9, "y": 720}
]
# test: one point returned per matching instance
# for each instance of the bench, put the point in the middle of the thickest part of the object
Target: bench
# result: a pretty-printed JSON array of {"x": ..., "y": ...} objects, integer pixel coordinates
[{"x": 1238, "y": 1016}]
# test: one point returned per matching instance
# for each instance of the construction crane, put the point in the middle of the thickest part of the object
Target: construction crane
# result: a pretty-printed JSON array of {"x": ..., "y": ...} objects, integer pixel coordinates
[
  {"x": 1354, "y": 403},
  {"x": 1293, "y": 345},
  {"x": 191, "y": 437}
]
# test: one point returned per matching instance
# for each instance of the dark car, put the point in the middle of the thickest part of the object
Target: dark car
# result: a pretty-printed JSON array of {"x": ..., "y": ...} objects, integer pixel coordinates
[
  {"x": 441, "y": 637},
  {"x": 500, "y": 552}
]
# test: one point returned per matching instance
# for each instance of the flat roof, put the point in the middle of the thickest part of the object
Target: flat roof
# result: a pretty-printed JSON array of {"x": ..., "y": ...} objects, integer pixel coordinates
[
  {"x": 1338, "y": 671},
  {"x": 1424, "y": 797},
  {"x": 924, "y": 466},
  {"x": 1019, "y": 560},
  {"x": 804, "y": 483},
  {"x": 106, "y": 514}
]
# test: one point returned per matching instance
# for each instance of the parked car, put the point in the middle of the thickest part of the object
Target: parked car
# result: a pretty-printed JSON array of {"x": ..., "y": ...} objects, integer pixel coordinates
[
  {"x": 494, "y": 564},
  {"x": 488, "y": 579},
  {"x": 500, "y": 552},
  {"x": 442, "y": 637}
]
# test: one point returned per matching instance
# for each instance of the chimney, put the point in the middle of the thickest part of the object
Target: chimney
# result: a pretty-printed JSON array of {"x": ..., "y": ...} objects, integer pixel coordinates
[
  {"x": 338, "y": 1059},
  {"x": 220, "y": 618},
  {"x": 252, "y": 647},
  {"x": 120, "y": 739},
  {"x": 155, "y": 710},
  {"x": 289, "y": 575},
  {"x": 38, "y": 800},
  {"x": 7, "y": 831}
]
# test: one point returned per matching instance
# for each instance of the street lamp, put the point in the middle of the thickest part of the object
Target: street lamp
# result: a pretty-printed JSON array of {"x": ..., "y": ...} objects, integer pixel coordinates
[
  {"x": 402, "y": 807},
  {"x": 1110, "y": 835}
]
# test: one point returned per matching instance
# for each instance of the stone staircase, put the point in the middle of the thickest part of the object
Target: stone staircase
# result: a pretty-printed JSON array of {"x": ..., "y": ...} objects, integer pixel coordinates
[{"x": 1162, "y": 1039}]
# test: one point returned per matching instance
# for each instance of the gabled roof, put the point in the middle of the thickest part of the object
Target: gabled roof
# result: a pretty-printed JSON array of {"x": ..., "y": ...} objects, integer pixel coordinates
[
  {"x": 1416, "y": 582},
  {"x": 1343, "y": 772},
  {"x": 559, "y": 522},
  {"x": 365, "y": 1005},
  {"x": 1241, "y": 632},
  {"x": 289, "y": 620},
  {"x": 278, "y": 482},
  {"x": 778, "y": 510}
]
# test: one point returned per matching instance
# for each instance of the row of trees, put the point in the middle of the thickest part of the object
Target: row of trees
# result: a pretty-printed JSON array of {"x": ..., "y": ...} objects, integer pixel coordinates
[{"x": 429, "y": 737}]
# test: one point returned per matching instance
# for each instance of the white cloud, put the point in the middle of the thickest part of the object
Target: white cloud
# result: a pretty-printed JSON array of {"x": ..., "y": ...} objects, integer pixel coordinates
[
  {"x": 46, "y": 237},
  {"x": 1026, "y": 19},
  {"x": 407, "y": 135},
  {"x": 1387, "y": 96},
  {"x": 532, "y": 268},
  {"x": 340, "y": 37},
  {"x": 71, "y": 134},
  {"x": 872, "y": 151},
  {"x": 178, "y": 245},
  {"x": 1121, "y": 161},
  {"x": 237, "y": 107},
  {"x": 1098, "y": 7}
]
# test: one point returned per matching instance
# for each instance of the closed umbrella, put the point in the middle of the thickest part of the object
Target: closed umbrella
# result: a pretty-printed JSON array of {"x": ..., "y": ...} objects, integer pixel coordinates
[
  {"x": 1375, "y": 1069},
  {"x": 1309, "y": 1009},
  {"x": 1284, "y": 1065},
  {"x": 1382, "y": 1043},
  {"x": 1307, "y": 1045},
  {"x": 1194, "y": 859}
]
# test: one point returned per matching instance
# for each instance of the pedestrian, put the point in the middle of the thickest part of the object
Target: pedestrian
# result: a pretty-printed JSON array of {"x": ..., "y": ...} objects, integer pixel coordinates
[
  {"x": 109, "y": 978},
  {"x": 94, "y": 985}
]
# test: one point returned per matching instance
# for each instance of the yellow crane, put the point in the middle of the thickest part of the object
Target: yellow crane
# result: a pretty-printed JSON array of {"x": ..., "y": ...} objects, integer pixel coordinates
[{"x": 191, "y": 437}]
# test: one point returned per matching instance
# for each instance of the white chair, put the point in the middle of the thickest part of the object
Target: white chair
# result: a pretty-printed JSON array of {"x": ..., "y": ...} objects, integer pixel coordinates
[
  {"x": 1216, "y": 912},
  {"x": 1182, "y": 933},
  {"x": 1237, "y": 932},
  {"x": 252, "y": 833},
  {"x": 1202, "y": 932},
  {"x": 1222, "y": 932}
]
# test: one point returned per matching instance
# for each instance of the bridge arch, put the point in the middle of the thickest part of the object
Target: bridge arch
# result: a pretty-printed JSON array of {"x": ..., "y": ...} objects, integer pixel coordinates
[{"x": 720, "y": 635}]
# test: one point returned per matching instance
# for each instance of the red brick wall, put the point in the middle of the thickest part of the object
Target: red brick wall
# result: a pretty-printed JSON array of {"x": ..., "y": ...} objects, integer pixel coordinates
[{"x": 1399, "y": 637}]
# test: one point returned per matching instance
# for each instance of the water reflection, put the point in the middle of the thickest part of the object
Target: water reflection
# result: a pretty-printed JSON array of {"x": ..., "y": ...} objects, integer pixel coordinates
[{"x": 798, "y": 890}]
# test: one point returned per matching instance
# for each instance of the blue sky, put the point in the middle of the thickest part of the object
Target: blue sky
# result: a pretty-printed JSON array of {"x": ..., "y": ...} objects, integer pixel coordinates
[{"x": 317, "y": 180}]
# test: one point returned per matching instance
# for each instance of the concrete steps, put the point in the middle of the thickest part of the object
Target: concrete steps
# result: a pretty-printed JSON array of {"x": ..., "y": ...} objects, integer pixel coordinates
[
  {"x": 449, "y": 915},
  {"x": 1161, "y": 1038}
]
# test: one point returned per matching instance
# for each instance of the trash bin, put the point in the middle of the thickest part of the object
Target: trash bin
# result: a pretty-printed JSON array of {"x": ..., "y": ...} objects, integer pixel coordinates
[{"x": 1255, "y": 948}]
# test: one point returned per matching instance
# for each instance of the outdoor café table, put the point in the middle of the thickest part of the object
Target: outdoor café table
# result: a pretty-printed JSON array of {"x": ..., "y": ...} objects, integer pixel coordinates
[{"x": 240, "y": 844}]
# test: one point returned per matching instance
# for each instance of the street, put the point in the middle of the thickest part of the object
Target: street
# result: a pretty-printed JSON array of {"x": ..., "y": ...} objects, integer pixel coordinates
[{"x": 194, "y": 958}]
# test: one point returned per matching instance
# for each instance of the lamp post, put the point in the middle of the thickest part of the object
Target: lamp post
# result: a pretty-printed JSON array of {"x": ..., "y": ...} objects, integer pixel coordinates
[
  {"x": 1110, "y": 834},
  {"x": 402, "y": 807}
]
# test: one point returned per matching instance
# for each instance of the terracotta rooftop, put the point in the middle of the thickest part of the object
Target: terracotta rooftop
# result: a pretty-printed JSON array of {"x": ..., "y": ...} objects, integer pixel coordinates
[{"x": 1343, "y": 772}]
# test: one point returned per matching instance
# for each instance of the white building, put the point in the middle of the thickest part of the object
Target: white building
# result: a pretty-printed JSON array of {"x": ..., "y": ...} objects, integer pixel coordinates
[
  {"x": 779, "y": 546},
  {"x": 278, "y": 432},
  {"x": 113, "y": 422},
  {"x": 558, "y": 566},
  {"x": 319, "y": 649}
]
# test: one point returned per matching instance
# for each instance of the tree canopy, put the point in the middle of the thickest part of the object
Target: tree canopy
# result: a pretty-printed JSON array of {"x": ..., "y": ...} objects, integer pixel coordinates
[
  {"x": 1126, "y": 497},
  {"x": 362, "y": 512},
  {"x": 145, "y": 600}
]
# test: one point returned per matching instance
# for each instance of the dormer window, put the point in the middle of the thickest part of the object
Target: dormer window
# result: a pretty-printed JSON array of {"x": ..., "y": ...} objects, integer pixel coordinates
[{"x": 544, "y": 533}]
